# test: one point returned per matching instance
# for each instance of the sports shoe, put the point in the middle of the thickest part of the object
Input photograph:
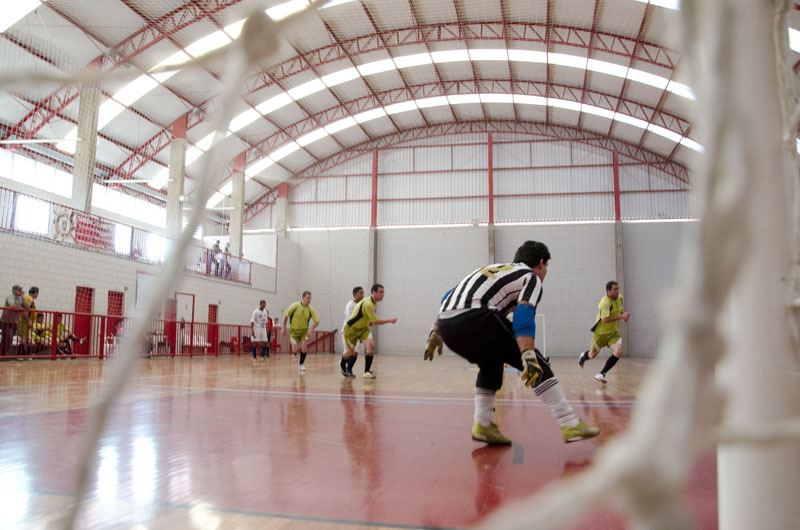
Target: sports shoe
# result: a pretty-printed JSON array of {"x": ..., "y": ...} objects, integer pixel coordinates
[
  {"x": 582, "y": 431},
  {"x": 489, "y": 434},
  {"x": 301, "y": 368},
  {"x": 350, "y": 374},
  {"x": 582, "y": 358},
  {"x": 369, "y": 375},
  {"x": 601, "y": 378}
]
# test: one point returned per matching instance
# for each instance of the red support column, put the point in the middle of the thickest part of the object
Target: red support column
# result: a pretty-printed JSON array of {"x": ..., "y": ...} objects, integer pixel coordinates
[
  {"x": 374, "y": 202},
  {"x": 491, "y": 180},
  {"x": 617, "y": 212}
]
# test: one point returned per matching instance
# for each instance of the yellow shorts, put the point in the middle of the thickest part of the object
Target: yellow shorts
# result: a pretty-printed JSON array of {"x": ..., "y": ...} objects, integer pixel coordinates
[
  {"x": 354, "y": 336},
  {"x": 296, "y": 336},
  {"x": 601, "y": 340}
]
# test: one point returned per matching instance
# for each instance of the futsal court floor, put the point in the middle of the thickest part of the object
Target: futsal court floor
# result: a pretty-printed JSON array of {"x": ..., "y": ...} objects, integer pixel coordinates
[{"x": 219, "y": 443}]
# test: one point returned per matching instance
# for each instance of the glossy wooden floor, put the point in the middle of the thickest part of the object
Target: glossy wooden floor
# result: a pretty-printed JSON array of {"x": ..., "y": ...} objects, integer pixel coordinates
[{"x": 211, "y": 443}]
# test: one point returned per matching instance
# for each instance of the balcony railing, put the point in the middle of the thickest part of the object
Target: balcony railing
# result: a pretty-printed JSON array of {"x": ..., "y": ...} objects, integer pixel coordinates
[{"x": 25, "y": 215}]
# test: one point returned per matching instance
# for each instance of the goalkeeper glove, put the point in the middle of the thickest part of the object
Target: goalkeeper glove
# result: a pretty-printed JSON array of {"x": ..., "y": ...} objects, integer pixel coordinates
[
  {"x": 531, "y": 370},
  {"x": 434, "y": 342}
]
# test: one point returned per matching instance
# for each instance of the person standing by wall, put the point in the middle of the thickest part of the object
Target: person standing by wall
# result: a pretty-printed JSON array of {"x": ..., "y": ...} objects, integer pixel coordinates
[{"x": 12, "y": 311}]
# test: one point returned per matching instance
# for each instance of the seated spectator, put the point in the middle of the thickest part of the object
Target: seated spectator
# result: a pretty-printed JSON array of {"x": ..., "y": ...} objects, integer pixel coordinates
[{"x": 66, "y": 338}]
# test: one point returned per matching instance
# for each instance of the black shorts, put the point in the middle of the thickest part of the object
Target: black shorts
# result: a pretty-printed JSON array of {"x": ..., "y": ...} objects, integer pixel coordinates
[{"x": 483, "y": 337}]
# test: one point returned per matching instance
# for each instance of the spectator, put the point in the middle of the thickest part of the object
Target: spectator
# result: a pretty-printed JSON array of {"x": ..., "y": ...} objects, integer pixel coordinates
[
  {"x": 227, "y": 258},
  {"x": 10, "y": 320},
  {"x": 28, "y": 318},
  {"x": 216, "y": 251},
  {"x": 65, "y": 337}
]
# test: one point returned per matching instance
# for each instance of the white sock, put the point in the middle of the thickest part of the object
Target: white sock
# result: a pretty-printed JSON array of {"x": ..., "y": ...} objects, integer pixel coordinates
[
  {"x": 550, "y": 392},
  {"x": 484, "y": 406}
]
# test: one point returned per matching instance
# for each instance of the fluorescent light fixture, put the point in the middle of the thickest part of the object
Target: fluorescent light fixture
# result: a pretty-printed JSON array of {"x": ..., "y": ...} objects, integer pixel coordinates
[
  {"x": 417, "y": 59},
  {"x": 461, "y": 99},
  {"x": 235, "y": 29},
  {"x": 135, "y": 90},
  {"x": 598, "y": 111},
  {"x": 397, "y": 108},
  {"x": 527, "y": 56},
  {"x": 109, "y": 110},
  {"x": 244, "y": 119},
  {"x": 369, "y": 115},
  {"x": 258, "y": 166},
  {"x": 564, "y": 59},
  {"x": 488, "y": 54},
  {"x": 283, "y": 152},
  {"x": 311, "y": 87},
  {"x": 604, "y": 67},
  {"x": 215, "y": 208},
  {"x": 341, "y": 76},
  {"x": 281, "y": 11},
  {"x": 525, "y": 99},
  {"x": 666, "y": 133},
  {"x": 630, "y": 120},
  {"x": 216, "y": 40},
  {"x": 497, "y": 98},
  {"x": 691, "y": 144},
  {"x": 340, "y": 125},
  {"x": 274, "y": 103},
  {"x": 263, "y": 230},
  {"x": 15, "y": 11},
  {"x": 376, "y": 67},
  {"x": 431, "y": 102},
  {"x": 192, "y": 154},
  {"x": 564, "y": 104},
  {"x": 312, "y": 137},
  {"x": 646, "y": 78},
  {"x": 450, "y": 56}
]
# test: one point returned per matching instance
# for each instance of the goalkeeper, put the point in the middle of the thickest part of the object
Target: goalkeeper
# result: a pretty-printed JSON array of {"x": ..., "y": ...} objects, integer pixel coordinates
[{"x": 472, "y": 322}]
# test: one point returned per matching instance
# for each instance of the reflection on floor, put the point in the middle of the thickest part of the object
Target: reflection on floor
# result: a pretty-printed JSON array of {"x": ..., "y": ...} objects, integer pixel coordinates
[{"x": 223, "y": 443}]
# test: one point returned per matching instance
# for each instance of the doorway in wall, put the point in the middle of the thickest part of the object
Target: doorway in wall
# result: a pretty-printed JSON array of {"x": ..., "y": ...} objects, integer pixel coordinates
[{"x": 84, "y": 302}]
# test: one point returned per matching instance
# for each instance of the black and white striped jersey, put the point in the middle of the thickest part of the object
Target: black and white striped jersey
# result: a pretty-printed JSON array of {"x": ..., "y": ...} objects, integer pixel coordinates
[{"x": 499, "y": 287}]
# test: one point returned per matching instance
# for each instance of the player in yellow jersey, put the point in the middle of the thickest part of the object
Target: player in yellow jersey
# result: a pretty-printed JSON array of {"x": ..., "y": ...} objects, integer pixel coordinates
[
  {"x": 299, "y": 313},
  {"x": 606, "y": 330},
  {"x": 357, "y": 329}
]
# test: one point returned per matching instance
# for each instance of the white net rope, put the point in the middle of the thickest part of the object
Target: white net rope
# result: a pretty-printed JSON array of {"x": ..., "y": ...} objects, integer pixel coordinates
[
  {"x": 684, "y": 408},
  {"x": 256, "y": 43}
]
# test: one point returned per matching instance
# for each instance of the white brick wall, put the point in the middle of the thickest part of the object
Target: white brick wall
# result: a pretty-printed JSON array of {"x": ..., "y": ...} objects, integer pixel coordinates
[{"x": 416, "y": 265}]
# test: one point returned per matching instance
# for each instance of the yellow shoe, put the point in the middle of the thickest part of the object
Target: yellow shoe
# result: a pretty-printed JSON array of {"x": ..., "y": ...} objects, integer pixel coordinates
[
  {"x": 582, "y": 431},
  {"x": 489, "y": 434}
]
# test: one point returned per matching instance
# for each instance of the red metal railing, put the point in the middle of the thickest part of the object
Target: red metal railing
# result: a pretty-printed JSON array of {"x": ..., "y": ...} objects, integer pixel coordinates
[
  {"x": 57, "y": 334},
  {"x": 32, "y": 217}
]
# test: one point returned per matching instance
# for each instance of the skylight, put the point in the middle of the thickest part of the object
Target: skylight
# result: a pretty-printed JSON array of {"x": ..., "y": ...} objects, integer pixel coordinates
[
  {"x": 459, "y": 99},
  {"x": 135, "y": 90},
  {"x": 281, "y": 11},
  {"x": 283, "y": 152},
  {"x": 257, "y": 167},
  {"x": 341, "y": 76},
  {"x": 216, "y": 40},
  {"x": 368, "y": 115},
  {"x": 15, "y": 11},
  {"x": 417, "y": 59},
  {"x": 306, "y": 89},
  {"x": 340, "y": 125},
  {"x": 376, "y": 67},
  {"x": 312, "y": 137}
]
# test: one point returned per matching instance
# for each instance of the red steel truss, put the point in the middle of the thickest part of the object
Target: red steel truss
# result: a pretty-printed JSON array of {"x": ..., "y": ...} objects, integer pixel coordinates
[
  {"x": 125, "y": 51},
  {"x": 557, "y": 132}
]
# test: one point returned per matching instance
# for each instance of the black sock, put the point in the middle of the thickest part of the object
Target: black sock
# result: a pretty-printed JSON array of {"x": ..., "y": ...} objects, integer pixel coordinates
[
  {"x": 263, "y": 351},
  {"x": 609, "y": 364},
  {"x": 302, "y": 358},
  {"x": 350, "y": 363},
  {"x": 255, "y": 350},
  {"x": 343, "y": 363},
  {"x": 367, "y": 363}
]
